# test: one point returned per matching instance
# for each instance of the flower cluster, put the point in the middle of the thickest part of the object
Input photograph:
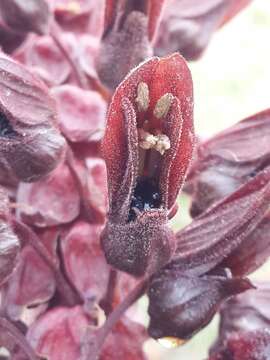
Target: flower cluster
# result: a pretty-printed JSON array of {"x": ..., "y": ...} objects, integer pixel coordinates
[{"x": 96, "y": 142}]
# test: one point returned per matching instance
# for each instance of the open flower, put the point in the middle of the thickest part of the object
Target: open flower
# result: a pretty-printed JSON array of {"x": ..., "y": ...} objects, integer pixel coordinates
[
  {"x": 129, "y": 28},
  {"x": 186, "y": 294},
  {"x": 147, "y": 147}
]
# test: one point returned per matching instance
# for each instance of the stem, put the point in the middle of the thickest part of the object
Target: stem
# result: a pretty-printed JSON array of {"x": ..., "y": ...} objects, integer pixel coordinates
[
  {"x": 17, "y": 337},
  {"x": 107, "y": 302},
  {"x": 90, "y": 214},
  {"x": 55, "y": 34},
  {"x": 93, "y": 343},
  {"x": 28, "y": 236}
]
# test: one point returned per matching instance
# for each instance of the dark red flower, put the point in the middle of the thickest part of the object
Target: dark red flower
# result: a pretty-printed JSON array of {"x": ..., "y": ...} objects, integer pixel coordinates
[{"x": 147, "y": 147}]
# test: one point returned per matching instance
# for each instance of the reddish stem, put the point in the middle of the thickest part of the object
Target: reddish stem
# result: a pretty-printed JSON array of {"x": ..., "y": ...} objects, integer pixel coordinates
[
  {"x": 7, "y": 327},
  {"x": 28, "y": 236},
  {"x": 55, "y": 34},
  {"x": 94, "y": 340},
  {"x": 107, "y": 302}
]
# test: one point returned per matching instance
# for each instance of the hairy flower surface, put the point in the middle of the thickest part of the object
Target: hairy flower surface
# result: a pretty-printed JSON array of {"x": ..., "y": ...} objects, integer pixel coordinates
[
  {"x": 204, "y": 262},
  {"x": 147, "y": 148}
]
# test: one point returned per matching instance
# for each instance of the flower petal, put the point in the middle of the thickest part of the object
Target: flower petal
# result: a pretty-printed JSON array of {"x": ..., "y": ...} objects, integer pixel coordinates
[
  {"x": 84, "y": 261},
  {"x": 224, "y": 227}
]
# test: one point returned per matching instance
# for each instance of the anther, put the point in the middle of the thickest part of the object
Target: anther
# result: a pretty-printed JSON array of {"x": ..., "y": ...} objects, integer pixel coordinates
[
  {"x": 163, "y": 143},
  {"x": 163, "y": 105},
  {"x": 142, "y": 98},
  {"x": 146, "y": 140}
]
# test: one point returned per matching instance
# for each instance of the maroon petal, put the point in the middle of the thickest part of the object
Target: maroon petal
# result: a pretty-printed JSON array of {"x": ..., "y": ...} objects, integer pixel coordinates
[
  {"x": 52, "y": 201},
  {"x": 181, "y": 305},
  {"x": 229, "y": 159},
  {"x": 246, "y": 259},
  {"x": 224, "y": 227},
  {"x": 81, "y": 113},
  {"x": 246, "y": 141},
  {"x": 84, "y": 261}
]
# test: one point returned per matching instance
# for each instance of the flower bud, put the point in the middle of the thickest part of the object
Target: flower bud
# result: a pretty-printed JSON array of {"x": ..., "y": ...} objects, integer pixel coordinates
[
  {"x": 30, "y": 144},
  {"x": 180, "y": 305}
]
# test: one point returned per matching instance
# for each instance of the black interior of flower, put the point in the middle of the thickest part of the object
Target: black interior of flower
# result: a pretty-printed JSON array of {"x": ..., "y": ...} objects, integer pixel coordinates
[
  {"x": 146, "y": 196},
  {"x": 5, "y": 127}
]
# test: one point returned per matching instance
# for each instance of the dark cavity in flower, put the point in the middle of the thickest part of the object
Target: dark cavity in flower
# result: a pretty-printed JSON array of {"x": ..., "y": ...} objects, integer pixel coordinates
[
  {"x": 5, "y": 127},
  {"x": 146, "y": 196}
]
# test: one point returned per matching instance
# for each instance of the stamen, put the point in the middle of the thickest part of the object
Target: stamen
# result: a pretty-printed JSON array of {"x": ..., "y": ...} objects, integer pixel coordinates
[
  {"x": 146, "y": 140},
  {"x": 142, "y": 98},
  {"x": 163, "y": 144},
  {"x": 163, "y": 105}
]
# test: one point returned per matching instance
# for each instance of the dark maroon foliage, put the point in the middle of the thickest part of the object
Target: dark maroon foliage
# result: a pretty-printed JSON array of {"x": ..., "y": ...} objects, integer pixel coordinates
[{"x": 86, "y": 198}]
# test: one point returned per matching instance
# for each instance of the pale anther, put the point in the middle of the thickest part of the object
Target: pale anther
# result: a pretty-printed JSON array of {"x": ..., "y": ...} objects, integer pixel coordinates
[
  {"x": 163, "y": 105},
  {"x": 146, "y": 140},
  {"x": 142, "y": 98},
  {"x": 163, "y": 143}
]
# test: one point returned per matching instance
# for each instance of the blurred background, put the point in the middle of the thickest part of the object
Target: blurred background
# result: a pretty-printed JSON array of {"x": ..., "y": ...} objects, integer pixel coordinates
[{"x": 231, "y": 82}]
